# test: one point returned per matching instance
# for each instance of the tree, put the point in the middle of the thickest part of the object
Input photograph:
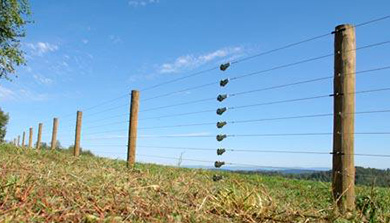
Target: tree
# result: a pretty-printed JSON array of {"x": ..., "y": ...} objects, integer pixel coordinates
[
  {"x": 3, "y": 123},
  {"x": 13, "y": 18}
]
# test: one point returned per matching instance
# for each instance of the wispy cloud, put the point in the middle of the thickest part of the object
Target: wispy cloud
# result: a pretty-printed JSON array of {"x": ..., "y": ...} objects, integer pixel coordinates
[
  {"x": 41, "y": 48},
  {"x": 42, "y": 80},
  {"x": 23, "y": 94},
  {"x": 137, "y": 3},
  {"x": 186, "y": 63},
  {"x": 190, "y": 61},
  {"x": 115, "y": 39},
  {"x": 7, "y": 94}
]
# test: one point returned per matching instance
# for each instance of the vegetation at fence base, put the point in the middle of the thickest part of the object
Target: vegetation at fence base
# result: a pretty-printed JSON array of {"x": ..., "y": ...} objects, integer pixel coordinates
[
  {"x": 54, "y": 186},
  {"x": 364, "y": 176}
]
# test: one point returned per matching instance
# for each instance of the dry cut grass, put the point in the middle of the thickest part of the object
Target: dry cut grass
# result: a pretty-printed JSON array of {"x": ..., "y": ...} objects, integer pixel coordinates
[{"x": 46, "y": 186}]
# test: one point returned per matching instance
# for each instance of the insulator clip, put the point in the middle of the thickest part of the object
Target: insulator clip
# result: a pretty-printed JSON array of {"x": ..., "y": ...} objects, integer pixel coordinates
[
  {"x": 218, "y": 164},
  {"x": 225, "y": 66},
  {"x": 338, "y": 30},
  {"x": 220, "y": 125},
  {"x": 222, "y": 97},
  {"x": 221, "y": 151},
  {"x": 221, "y": 137},
  {"x": 220, "y": 111},
  {"x": 224, "y": 82}
]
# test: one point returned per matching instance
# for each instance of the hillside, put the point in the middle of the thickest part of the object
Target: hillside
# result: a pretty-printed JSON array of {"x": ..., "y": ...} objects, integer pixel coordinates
[
  {"x": 364, "y": 176},
  {"x": 45, "y": 186}
]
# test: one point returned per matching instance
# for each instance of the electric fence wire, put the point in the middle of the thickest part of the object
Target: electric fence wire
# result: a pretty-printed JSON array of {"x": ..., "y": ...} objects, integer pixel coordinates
[
  {"x": 263, "y": 119},
  {"x": 272, "y": 69},
  {"x": 262, "y": 54}
]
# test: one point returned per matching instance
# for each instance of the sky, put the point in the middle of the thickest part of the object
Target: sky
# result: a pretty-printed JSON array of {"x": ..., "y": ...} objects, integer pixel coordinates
[{"x": 82, "y": 54}]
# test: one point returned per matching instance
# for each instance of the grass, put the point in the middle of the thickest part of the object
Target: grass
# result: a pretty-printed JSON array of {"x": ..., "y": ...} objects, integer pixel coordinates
[{"x": 53, "y": 186}]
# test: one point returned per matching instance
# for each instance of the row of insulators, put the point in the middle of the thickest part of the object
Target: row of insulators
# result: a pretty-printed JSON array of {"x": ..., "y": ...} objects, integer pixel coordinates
[{"x": 221, "y": 124}]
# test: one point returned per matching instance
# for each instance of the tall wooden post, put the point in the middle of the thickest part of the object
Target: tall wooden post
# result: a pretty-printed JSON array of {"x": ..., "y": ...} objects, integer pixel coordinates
[
  {"x": 23, "y": 139},
  {"x": 343, "y": 184},
  {"x": 132, "y": 138},
  {"x": 54, "y": 134},
  {"x": 39, "y": 139},
  {"x": 76, "y": 150},
  {"x": 18, "y": 141},
  {"x": 30, "y": 138}
]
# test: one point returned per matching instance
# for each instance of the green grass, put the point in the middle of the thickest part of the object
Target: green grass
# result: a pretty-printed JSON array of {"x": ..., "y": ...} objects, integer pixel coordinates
[{"x": 53, "y": 186}]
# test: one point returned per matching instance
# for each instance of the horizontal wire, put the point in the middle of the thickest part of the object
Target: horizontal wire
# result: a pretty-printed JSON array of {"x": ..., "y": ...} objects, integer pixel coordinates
[
  {"x": 258, "y": 55},
  {"x": 179, "y": 104},
  {"x": 109, "y": 109},
  {"x": 267, "y": 88},
  {"x": 181, "y": 78},
  {"x": 252, "y": 105},
  {"x": 278, "y": 102},
  {"x": 373, "y": 21},
  {"x": 110, "y": 117},
  {"x": 183, "y": 90},
  {"x": 281, "y": 48},
  {"x": 107, "y": 124},
  {"x": 261, "y": 151},
  {"x": 306, "y": 98},
  {"x": 281, "y": 67},
  {"x": 304, "y": 61},
  {"x": 226, "y": 163},
  {"x": 305, "y": 41},
  {"x": 106, "y": 102},
  {"x": 108, "y": 131},
  {"x": 262, "y": 89},
  {"x": 305, "y": 81},
  {"x": 262, "y": 135},
  {"x": 180, "y": 114}
]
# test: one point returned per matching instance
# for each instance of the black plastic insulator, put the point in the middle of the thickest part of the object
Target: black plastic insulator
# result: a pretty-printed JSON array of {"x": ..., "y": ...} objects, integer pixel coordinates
[
  {"x": 220, "y": 125},
  {"x": 225, "y": 66},
  {"x": 218, "y": 164},
  {"x": 221, "y": 151},
  {"x": 224, "y": 82},
  {"x": 220, "y": 111},
  {"x": 221, "y": 137},
  {"x": 217, "y": 178},
  {"x": 222, "y": 97}
]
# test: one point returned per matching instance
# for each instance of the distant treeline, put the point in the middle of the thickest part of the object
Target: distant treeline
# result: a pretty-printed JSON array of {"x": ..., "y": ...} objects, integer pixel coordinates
[{"x": 364, "y": 176}]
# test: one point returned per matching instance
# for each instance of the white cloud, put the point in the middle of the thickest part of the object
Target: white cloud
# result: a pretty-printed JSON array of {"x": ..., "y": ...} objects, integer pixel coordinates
[
  {"x": 137, "y": 3},
  {"x": 42, "y": 80},
  {"x": 7, "y": 94},
  {"x": 41, "y": 48},
  {"x": 191, "y": 61},
  {"x": 115, "y": 39}
]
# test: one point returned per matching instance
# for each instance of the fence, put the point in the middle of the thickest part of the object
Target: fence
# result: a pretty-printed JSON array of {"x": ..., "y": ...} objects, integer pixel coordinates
[{"x": 343, "y": 114}]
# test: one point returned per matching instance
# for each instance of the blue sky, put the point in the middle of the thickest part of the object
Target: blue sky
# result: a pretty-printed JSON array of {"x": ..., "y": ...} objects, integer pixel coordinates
[{"x": 82, "y": 53}]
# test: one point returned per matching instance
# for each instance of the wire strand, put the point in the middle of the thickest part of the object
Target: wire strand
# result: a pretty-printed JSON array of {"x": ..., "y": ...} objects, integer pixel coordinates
[{"x": 178, "y": 104}]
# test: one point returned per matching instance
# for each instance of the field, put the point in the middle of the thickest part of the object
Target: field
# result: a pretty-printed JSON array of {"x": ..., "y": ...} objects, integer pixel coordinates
[{"x": 53, "y": 186}]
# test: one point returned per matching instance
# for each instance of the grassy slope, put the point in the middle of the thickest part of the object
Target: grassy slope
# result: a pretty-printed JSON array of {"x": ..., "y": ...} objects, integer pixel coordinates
[{"x": 54, "y": 187}]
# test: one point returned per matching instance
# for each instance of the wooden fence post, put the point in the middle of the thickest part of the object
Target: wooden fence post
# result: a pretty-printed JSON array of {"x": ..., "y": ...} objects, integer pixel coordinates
[
  {"x": 76, "y": 150},
  {"x": 132, "y": 137},
  {"x": 343, "y": 184},
  {"x": 54, "y": 134},
  {"x": 30, "y": 138},
  {"x": 23, "y": 138},
  {"x": 39, "y": 139}
]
